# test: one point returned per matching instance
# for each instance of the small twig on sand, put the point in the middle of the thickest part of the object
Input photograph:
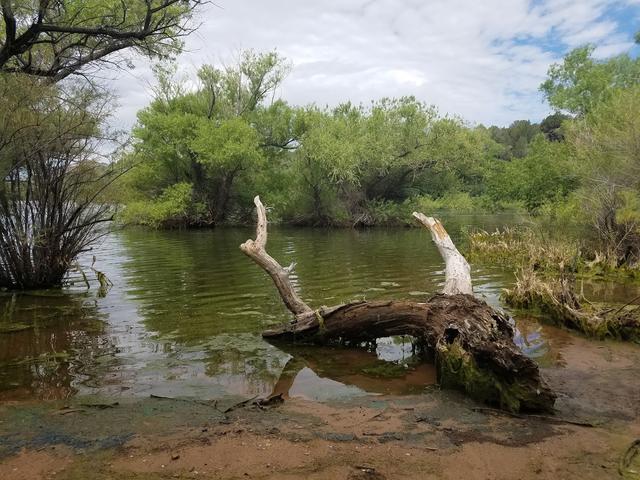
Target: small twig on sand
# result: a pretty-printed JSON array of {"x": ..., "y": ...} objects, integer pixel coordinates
[
  {"x": 100, "y": 406},
  {"x": 65, "y": 411},
  {"x": 546, "y": 418},
  {"x": 627, "y": 458},
  {"x": 241, "y": 404},
  {"x": 212, "y": 403}
]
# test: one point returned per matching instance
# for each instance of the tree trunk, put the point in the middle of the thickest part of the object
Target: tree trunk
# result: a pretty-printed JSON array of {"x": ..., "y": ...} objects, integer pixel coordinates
[
  {"x": 470, "y": 342},
  {"x": 223, "y": 194}
]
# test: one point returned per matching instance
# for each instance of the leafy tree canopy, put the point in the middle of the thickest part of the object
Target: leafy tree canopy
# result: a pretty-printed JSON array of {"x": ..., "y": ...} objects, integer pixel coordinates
[
  {"x": 57, "y": 38},
  {"x": 578, "y": 83},
  {"x": 209, "y": 138}
]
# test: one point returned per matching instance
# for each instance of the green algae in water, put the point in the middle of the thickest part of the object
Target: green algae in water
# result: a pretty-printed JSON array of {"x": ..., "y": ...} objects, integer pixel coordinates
[
  {"x": 190, "y": 307},
  {"x": 384, "y": 369}
]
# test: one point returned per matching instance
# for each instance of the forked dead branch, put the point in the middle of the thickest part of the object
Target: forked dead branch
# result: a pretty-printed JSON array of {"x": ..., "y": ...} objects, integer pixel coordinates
[{"x": 470, "y": 342}]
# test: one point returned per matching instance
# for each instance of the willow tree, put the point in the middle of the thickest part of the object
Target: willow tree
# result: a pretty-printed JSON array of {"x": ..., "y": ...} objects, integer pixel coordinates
[
  {"x": 352, "y": 157},
  {"x": 51, "y": 126},
  {"x": 203, "y": 142}
]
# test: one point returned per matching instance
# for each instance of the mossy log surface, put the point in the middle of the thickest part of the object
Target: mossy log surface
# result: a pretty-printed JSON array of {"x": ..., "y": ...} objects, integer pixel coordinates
[{"x": 470, "y": 342}]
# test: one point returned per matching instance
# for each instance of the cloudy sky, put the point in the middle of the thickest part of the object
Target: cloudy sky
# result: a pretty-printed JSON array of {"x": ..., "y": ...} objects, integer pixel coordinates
[{"x": 482, "y": 60}]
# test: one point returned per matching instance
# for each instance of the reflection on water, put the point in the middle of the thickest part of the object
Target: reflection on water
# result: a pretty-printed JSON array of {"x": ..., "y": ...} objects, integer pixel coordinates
[
  {"x": 186, "y": 310},
  {"x": 324, "y": 373},
  {"x": 49, "y": 344}
]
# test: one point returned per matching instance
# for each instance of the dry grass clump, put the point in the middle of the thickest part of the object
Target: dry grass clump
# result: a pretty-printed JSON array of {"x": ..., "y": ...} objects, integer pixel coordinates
[
  {"x": 523, "y": 246},
  {"x": 546, "y": 278},
  {"x": 556, "y": 299}
]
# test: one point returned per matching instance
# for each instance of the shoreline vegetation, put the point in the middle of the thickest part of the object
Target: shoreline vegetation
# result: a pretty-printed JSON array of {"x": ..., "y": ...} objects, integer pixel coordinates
[
  {"x": 548, "y": 270},
  {"x": 372, "y": 215}
]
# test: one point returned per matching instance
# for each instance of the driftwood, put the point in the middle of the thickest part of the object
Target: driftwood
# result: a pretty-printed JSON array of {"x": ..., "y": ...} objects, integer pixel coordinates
[{"x": 470, "y": 342}]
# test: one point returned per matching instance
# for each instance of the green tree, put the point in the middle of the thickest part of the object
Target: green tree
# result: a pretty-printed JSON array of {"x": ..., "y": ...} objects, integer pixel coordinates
[
  {"x": 353, "y": 159},
  {"x": 515, "y": 138},
  {"x": 552, "y": 128},
  {"x": 327, "y": 163},
  {"x": 544, "y": 175},
  {"x": 211, "y": 138},
  {"x": 607, "y": 151},
  {"x": 580, "y": 82},
  {"x": 57, "y": 38},
  {"x": 52, "y": 193}
]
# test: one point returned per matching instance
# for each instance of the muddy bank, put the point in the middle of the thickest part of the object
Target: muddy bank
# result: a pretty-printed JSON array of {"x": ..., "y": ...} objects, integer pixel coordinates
[{"x": 436, "y": 434}]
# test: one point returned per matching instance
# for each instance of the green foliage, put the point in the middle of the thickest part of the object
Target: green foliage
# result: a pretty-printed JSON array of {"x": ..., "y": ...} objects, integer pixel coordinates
[
  {"x": 629, "y": 210},
  {"x": 606, "y": 140},
  {"x": 361, "y": 165},
  {"x": 57, "y": 39},
  {"x": 229, "y": 145},
  {"x": 461, "y": 202},
  {"x": 542, "y": 176},
  {"x": 352, "y": 161},
  {"x": 607, "y": 150},
  {"x": 173, "y": 207},
  {"x": 580, "y": 82},
  {"x": 515, "y": 138},
  {"x": 552, "y": 126},
  {"x": 349, "y": 165},
  {"x": 213, "y": 138}
]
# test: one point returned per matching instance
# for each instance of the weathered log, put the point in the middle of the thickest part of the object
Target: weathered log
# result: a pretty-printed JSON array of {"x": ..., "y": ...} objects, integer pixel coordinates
[
  {"x": 280, "y": 276},
  {"x": 470, "y": 342},
  {"x": 457, "y": 277}
]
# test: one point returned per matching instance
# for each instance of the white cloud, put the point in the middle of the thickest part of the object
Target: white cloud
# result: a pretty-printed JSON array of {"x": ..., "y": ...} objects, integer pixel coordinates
[{"x": 481, "y": 60}]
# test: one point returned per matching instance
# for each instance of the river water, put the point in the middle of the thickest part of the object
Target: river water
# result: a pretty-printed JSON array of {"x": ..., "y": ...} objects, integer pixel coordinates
[{"x": 184, "y": 315}]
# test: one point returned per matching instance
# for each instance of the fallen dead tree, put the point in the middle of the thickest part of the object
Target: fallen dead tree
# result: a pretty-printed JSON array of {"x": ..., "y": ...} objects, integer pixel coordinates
[{"x": 470, "y": 342}]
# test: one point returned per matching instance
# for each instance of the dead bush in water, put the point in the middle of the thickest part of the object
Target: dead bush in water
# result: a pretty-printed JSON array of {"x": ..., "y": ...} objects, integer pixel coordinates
[
  {"x": 527, "y": 248},
  {"x": 523, "y": 246},
  {"x": 556, "y": 299}
]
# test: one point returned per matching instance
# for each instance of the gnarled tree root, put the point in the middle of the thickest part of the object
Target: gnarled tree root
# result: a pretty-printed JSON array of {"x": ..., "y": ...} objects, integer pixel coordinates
[{"x": 470, "y": 342}]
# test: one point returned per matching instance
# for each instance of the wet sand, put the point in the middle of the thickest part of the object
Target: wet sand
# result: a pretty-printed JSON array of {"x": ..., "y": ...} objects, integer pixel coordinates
[{"x": 432, "y": 435}]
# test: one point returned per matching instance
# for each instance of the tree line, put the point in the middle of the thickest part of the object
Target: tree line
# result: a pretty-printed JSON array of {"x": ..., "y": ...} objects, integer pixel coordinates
[{"x": 199, "y": 154}]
